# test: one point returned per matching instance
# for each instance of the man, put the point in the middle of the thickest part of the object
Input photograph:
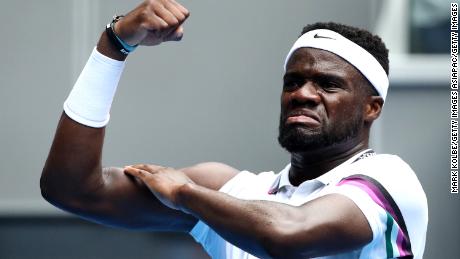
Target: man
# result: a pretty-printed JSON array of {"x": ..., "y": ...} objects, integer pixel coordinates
[{"x": 336, "y": 199}]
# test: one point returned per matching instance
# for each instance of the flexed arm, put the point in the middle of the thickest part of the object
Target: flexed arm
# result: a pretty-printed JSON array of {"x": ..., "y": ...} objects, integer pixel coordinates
[
  {"x": 73, "y": 177},
  {"x": 327, "y": 225}
]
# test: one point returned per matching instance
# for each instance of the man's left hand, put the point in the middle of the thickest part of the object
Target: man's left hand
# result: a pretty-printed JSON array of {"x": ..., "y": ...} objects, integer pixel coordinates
[{"x": 163, "y": 182}]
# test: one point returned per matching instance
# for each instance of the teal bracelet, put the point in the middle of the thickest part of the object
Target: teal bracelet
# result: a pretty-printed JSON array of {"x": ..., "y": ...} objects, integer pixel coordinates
[
  {"x": 125, "y": 45},
  {"x": 122, "y": 46}
]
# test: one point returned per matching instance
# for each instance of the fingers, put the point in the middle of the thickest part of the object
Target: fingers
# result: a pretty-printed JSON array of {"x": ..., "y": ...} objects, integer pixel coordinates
[
  {"x": 174, "y": 10},
  {"x": 153, "y": 22},
  {"x": 175, "y": 35},
  {"x": 138, "y": 173},
  {"x": 165, "y": 15},
  {"x": 175, "y": 15},
  {"x": 149, "y": 168},
  {"x": 181, "y": 8},
  {"x": 144, "y": 171}
]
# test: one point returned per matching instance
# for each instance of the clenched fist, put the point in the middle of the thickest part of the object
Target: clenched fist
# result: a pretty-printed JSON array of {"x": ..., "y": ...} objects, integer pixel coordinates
[{"x": 152, "y": 22}]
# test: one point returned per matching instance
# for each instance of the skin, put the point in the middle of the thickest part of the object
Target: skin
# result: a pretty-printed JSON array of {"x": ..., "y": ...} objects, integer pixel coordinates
[
  {"x": 73, "y": 177},
  {"x": 331, "y": 90},
  {"x": 151, "y": 197}
]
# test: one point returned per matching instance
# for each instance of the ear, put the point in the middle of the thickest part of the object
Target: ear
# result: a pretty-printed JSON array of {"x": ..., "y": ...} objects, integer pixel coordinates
[{"x": 372, "y": 108}]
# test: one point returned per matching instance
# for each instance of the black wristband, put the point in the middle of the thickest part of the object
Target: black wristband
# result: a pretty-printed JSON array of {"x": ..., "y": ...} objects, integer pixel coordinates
[{"x": 113, "y": 38}]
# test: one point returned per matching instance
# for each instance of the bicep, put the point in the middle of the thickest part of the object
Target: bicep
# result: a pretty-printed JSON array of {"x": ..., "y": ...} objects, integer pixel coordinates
[
  {"x": 211, "y": 175},
  {"x": 123, "y": 201}
]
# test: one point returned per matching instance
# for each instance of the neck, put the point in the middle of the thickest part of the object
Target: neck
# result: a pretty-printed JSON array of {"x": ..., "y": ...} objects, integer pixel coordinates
[{"x": 311, "y": 164}]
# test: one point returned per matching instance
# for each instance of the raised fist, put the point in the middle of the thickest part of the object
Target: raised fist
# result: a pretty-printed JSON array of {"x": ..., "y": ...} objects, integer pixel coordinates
[{"x": 152, "y": 22}]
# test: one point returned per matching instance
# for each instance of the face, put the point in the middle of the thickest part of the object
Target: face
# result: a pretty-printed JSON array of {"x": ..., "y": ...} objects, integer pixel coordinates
[{"x": 321, "y": 103}]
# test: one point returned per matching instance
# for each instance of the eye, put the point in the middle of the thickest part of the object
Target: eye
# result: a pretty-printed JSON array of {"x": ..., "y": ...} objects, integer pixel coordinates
[
  {"x": 330, "y": 85},
  {"x": 290, "y": 85}
]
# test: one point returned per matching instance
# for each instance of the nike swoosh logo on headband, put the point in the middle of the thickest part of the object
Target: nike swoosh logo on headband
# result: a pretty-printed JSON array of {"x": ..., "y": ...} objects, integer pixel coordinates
[{"x": 324, "y": 37}]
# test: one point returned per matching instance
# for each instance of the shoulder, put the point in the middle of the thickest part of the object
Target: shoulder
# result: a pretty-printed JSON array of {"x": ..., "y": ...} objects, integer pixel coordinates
[
  {"x": 393, "y": 173},
  {"x": 392, "y": 185},
  {"x": 389, "y": 174},
  {"x": 390, "y": 171},
  {"x": 385, "y": 168}
]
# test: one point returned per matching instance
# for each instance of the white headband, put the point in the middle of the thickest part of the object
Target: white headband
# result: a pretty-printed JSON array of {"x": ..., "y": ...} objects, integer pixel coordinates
[{"x": 348, "y": 50}]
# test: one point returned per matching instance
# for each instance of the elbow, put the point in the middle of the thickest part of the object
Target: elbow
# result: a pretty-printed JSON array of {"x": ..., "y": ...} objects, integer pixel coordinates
[
  {"x": 45, "y": 184},
  {"x": 43, "y": 190},
  {"x": 60, "y": 194},
  {"x": 49, "y": 187},
  {"x": 61, "y": 190}
]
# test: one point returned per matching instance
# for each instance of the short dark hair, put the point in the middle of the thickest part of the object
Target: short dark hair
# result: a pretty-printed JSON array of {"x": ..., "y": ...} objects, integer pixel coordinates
[{"x": 371, "y": 43}]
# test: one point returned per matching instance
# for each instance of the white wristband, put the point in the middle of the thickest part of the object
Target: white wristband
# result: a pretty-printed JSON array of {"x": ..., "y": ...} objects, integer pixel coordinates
[{"x": 90, "y": 100}]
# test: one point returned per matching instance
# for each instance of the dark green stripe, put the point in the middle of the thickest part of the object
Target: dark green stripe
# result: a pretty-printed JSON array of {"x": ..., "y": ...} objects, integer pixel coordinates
[
  {"x": 398, "y": 218},
  {"x": 388, "y": 236}
]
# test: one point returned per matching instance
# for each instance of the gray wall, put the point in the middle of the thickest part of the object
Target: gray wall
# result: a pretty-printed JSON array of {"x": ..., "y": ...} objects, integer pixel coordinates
[{"x": 212, "y": 97}]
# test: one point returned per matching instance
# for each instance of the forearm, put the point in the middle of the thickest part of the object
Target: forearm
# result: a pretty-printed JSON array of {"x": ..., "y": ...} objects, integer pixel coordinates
[
  {"x": 77, "y": 149},
  {"x": 73, "y": 178},
  {"x": 74, "y": 158},
  {"x": 254, "y": 226},
  {"x": 75, "y": 155}
]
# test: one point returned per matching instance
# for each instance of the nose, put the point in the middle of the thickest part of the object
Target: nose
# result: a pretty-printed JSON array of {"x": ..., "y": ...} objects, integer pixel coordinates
[{"x": 307, "y": 94}]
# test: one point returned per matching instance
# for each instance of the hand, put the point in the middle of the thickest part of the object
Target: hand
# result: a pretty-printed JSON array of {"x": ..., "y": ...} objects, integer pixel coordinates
[
  {"x": 153, "y": 22},
  {"x": 163, "y": 182}
]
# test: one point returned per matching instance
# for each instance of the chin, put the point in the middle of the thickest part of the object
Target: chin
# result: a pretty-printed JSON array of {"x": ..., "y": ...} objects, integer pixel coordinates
[{"x": 296, "y": 139}]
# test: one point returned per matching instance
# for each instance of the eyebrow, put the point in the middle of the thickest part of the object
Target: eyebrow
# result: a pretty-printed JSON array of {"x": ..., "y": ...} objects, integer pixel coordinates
[{"x": 319, "y": 77}]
